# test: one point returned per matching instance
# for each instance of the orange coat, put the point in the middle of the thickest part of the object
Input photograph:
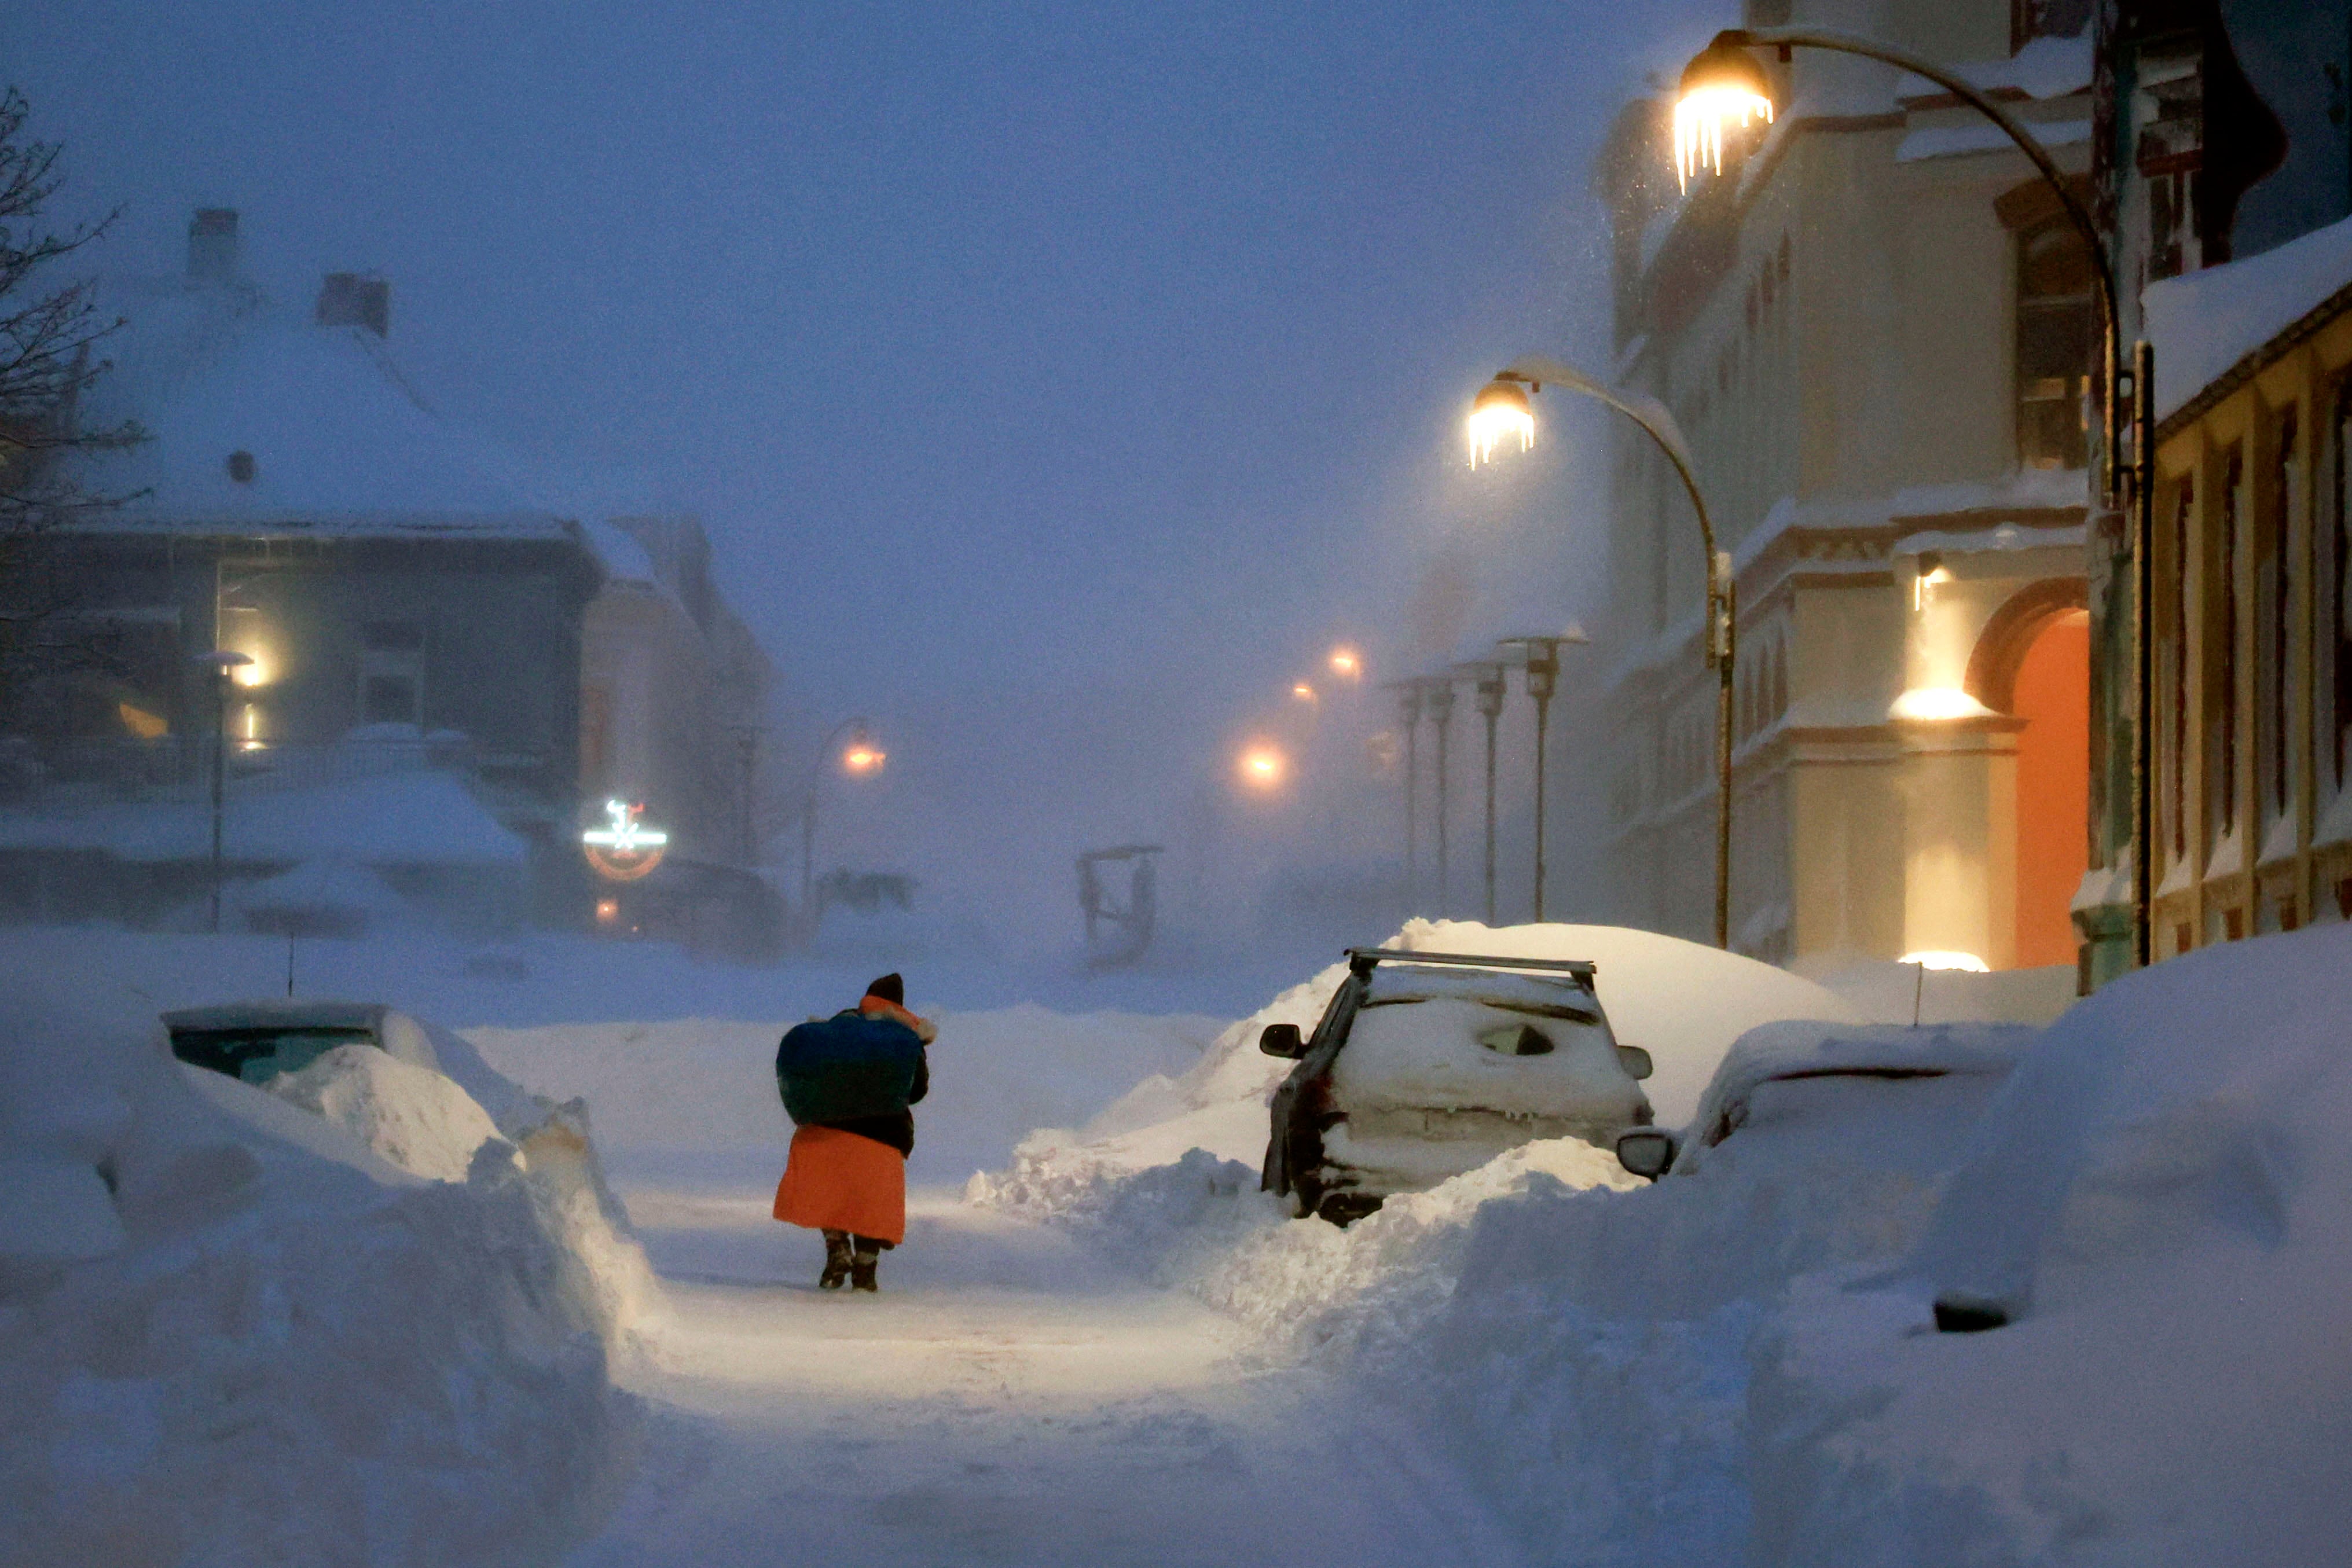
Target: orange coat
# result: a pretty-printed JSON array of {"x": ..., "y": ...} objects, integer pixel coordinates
[{"x": 842, "y": 1181}]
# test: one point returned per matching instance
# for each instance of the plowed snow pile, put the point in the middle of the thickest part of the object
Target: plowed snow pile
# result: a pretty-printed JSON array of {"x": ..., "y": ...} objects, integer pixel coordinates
[
  {"x": 1740, "y": 1363},
  {"x": 360, "y": 1317}
]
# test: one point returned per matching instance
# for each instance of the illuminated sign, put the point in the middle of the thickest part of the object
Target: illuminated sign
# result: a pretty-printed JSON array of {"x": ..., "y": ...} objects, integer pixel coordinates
[{"x": 628, "y": 849}]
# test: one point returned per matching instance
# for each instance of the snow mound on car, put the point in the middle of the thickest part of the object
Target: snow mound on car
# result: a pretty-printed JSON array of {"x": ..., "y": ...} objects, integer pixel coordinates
[
  {"x": 1683, "y": 1002},
  {"x": 418, "y": 1120},
  {"x": 2157, "y": 1195},
  {"x": 230, "y": 1331}
]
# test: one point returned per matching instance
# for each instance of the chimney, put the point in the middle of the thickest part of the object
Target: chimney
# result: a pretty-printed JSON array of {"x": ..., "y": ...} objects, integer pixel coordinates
[
  {"x": 356, "y": 299},
  {"x": 212, "y": 245}
]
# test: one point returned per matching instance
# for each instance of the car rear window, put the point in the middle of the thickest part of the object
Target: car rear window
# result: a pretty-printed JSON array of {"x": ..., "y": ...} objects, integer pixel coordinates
[
  {"x": 1527, "y": 994},
  {"x": 256, "y": 1055}
]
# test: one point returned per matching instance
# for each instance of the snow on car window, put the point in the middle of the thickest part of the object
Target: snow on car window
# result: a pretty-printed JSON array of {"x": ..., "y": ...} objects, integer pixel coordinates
[
  {"x": 1542, "y": 996},
  {"x": 1433, "y": 1056}
]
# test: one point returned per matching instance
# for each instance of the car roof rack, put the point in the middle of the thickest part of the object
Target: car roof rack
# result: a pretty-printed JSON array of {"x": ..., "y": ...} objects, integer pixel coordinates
[{"x": 1362, "y": 959}]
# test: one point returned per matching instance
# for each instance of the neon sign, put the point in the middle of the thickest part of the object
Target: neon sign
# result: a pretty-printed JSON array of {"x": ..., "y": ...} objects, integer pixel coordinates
[{"x": 628, "y": 849}]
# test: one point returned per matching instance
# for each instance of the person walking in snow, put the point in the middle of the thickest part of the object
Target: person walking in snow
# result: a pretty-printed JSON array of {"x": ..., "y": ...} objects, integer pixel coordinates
[{"x": 847, "y": 1082}]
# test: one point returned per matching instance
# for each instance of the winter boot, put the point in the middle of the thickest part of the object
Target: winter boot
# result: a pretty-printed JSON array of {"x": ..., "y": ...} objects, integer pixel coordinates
[
  {"x": 837, "y": 1262},
  {"x": 862, "y": 1264}
]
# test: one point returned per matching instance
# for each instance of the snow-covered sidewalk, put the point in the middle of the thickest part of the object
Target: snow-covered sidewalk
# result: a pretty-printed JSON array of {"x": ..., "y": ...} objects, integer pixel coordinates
[{"x": 1007, "y": 1398}]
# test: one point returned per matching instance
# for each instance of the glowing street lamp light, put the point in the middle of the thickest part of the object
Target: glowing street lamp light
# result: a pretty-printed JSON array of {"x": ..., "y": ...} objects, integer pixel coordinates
[
  {"x": 862, "y": 758},
  {"x": 1263, "y": 767},
  {"x": 1302, "y": 692},
  {"x": 1719, "y": 631},
  {"x": 1346, "y": 664},
  {"x": 1722, "y": 85},
  {"x": 1712, "y": 85},
  {"x": 1500, "y": 411}
]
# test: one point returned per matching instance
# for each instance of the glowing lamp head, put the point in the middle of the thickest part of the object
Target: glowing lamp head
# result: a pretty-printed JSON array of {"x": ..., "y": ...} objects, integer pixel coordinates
[
  {"x": 864, "y": 756},
  {"x": 1501, "y": 412},
  {"x": 253, "y": 673},
  {"x": 1302, "y": 692},
  {"x": 1967, "y": 962},
  {"x": 1263, "y": 767},
  {"x": 1722, "y": 85},
  {"x": 1346, "y": 664}
]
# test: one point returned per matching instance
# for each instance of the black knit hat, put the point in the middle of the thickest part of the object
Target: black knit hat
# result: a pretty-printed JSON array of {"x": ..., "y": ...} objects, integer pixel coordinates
[{"x": 890, "y": 988}]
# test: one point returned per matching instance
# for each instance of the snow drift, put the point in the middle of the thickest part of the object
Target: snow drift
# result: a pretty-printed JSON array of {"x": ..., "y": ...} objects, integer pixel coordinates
[{"x": 236, "y": 1329}]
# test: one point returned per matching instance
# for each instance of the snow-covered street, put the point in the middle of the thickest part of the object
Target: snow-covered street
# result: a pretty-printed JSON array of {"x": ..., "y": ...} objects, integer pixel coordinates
[{"x": 1007, "y": 1398}]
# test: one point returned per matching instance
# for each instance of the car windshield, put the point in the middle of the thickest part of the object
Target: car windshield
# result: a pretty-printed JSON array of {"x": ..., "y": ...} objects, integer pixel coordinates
[
  {"x": 1537, "y": 997},
  {"x": 256, "y": 1055}
]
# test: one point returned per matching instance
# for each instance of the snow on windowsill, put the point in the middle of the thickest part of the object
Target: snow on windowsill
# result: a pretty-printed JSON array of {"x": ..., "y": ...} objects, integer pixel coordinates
[{"x": 1954, "y": 141}]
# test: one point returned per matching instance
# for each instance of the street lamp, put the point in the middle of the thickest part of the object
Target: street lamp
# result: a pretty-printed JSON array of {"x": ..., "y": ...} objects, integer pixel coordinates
[
  {"x": 1437, "y": 696},
  {"x": 1720, "y": 630},
  {"x": 1724, "y": 79},
  {"x": 1540, "y": 655},
  {"x": 223, "y": 664},
  {"x": 861, "y": 757},
  {"x": 747, "y": 756},
  {"x": 1409, "y": 710},
  {"x": 1485, "y": 679}
]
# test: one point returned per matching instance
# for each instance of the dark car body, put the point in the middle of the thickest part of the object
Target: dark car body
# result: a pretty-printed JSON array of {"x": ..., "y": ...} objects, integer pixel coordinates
[{"x": 1544, "y": 1065}]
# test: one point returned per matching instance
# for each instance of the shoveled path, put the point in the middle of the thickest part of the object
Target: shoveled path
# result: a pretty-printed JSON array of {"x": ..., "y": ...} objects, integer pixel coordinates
[{"x": 1005, "y": 1399}]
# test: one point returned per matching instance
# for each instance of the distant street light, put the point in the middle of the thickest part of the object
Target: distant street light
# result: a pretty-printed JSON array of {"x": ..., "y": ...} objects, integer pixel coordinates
[
  {"x": 1486, "y": 687},
  {"x": 1540, "y": 655},
  {"x": 1304, "y": 693},
  {"x": 1725, "y": 78},
  {"x": 223, "y": 664},
  {"x": 862, "y": 757},
  {"x": 1719, "y": 631},
  {"x": 1347, "y": 664},
  {"x": 1263, "y": 766}
]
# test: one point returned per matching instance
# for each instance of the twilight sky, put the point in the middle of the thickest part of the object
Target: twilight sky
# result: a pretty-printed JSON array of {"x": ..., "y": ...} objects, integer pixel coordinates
[{"x": 1022, "y": 359}]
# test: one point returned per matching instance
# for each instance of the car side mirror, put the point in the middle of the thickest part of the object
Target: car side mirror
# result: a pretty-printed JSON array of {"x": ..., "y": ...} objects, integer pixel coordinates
[
  {"x": 1282, "y": 1040},
  {"x": 1645, "y": 1151},
  {"x": 1636, "y": 1061}
]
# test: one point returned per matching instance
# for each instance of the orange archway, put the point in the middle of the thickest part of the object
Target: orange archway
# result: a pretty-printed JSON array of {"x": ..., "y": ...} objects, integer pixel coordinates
[{"x": 2050, "y": 690}]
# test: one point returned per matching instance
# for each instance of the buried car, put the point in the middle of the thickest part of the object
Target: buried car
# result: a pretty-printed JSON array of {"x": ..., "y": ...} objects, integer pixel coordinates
[
  {"x": 1426, "y": 1065},
  {"x": 1871, "y": 1094},
  {"x": 255, "y": 1041}
]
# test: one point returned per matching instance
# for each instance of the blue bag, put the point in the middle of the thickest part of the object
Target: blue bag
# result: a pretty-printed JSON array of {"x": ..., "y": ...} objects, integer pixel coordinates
[{"x": 846, "y": 1067}]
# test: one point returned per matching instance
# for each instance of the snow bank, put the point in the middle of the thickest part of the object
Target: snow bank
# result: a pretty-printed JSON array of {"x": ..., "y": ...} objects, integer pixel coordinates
[
  {"x": 2160, "y": 1194},
  {"x": 1584, "y": 1340},
  {"x": 233, "y": 1332}
]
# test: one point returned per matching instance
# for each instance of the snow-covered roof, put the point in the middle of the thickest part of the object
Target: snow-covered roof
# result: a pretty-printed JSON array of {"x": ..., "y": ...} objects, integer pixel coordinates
[
  {"x": 2043, "y": 68},
  {"x": 2206, "y": 324},
  {"x": 421, "y": 818},
  {"x": 340, "y": 441}
]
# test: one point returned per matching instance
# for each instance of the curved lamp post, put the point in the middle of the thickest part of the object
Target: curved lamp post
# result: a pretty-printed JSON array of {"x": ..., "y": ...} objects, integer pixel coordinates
[
  {"x": 861, "y": 745},
  {"x": 1503, "y": 410},
  {"x": 1724, "y": 80}
]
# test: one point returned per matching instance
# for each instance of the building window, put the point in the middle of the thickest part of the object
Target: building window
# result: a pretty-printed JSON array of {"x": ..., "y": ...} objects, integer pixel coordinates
[
  {"x": 2273, "y": 681},
  {"x": 2171, "y": 581},
  {"x": 2054, "y": 347},
  {"x": 392, "y": 673},
  {"x": 2222, "y": 649},
  {"x": 2332, "y": 552}
]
